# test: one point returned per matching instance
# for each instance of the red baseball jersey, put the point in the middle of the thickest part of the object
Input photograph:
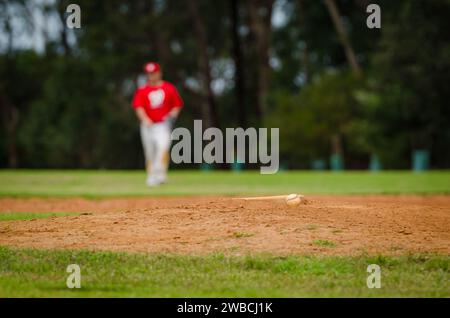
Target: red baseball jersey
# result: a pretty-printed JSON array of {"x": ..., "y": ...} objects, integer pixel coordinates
[{"x": 157, "y": 101}]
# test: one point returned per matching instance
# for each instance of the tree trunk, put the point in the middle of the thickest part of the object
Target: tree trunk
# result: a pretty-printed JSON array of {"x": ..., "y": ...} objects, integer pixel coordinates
[
  {"x": 159, "y": 40},
  {"x": 362, "y": 4},
  {"x": 9, "y": 112},
  {"x": 238, "y": 64},
  {"x": 162, "y": 50},
  {"x": 204, "y": 64},
  {"x": 260, "y": 14},
  {"x": 61, "y": 6},
  {"x": 343, "y": 37},
  {"x": 305, "y": 57},
  {"x": 10, "y": 116},
  {"x": 336, "y": 144},
  {"x": 13, "y": 156}
]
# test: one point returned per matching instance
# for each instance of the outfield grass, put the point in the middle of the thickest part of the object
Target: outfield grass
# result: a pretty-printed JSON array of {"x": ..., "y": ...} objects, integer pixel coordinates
[
  {"x": 131, "y": 183},
  {"x": 32, "y": 273}
]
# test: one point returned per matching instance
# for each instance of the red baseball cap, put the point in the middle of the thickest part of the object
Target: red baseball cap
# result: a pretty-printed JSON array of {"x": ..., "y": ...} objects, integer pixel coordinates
[{"x": 152, "y": 67}]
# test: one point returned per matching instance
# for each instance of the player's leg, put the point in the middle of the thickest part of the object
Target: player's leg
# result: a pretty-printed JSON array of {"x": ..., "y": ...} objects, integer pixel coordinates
[
  {"x": 149, "y": 150},
  {"x": 162, "y": 139}
]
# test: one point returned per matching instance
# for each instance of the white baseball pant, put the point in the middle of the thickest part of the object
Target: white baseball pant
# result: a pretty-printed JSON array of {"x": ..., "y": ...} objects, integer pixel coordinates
[{"x": 156, "y": 144}]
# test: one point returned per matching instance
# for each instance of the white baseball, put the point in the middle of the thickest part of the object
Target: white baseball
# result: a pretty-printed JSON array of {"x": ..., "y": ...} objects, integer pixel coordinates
[{"x": 293, "y": 199}]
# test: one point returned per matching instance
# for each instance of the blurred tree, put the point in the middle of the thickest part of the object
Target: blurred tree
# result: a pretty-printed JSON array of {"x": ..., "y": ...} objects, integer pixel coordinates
[
  {"x": 412, "y": 72},
  {"x": 210, "y": 117},
  {"x": 66, "y": 103},
  {"x": 305, "y": 56},
  {"x": 343, "y": 37},
  {"x": 260, "y": 25},
  {"x": 311, "y": 121},
  {"x": 18, "y": 86},
  {"x": 239, "y": 83}
]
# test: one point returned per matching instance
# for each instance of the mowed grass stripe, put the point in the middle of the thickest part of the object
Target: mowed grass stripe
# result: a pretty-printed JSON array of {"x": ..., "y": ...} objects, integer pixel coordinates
[
  {"x": 95, "y": 183},
  {"x": 39, "y": 273}
]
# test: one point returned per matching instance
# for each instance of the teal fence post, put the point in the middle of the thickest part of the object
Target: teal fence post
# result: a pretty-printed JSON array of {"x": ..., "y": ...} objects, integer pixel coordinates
[
  {"x": 375, "y": 163},
  {"x": 237, "y": 166},
  {"x": 420, "y": 160},
  {"x": 205, "y": 167},
  {"x": 318, "y": 164},
  {"x": 336, "y": 162}
]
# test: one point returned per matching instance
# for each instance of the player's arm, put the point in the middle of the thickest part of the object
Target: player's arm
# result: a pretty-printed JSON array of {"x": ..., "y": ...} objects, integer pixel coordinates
[
  {"x": 175, "y": 112},
  {"x": 139, "y": 109},
  {"x": 142, "y": 116},
  {"x": 177, "y": 104}
]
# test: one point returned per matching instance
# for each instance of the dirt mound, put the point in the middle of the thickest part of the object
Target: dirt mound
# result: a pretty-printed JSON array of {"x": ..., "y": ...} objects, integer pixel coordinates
[{"x": 330, "y": 225}]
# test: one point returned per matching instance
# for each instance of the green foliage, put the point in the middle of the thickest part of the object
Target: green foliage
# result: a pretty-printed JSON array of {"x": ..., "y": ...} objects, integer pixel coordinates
[
  {"x": 77, "y": 123},
  {"x": 69, "y": 105},
  {"x": 412, "y": 72},
  {"x": 307, "y": 122}
]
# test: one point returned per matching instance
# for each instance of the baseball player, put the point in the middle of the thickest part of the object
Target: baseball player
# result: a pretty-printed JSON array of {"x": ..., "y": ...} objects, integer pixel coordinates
[{"x": 157, "y": 105}]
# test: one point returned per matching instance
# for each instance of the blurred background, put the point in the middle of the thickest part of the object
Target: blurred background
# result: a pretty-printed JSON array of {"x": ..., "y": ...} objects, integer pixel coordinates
[{"x": 344, "y": 96}]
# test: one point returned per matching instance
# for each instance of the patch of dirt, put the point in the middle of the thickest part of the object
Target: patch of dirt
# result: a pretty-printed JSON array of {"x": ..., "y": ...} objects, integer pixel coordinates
[{"x": 350, "y": 225}]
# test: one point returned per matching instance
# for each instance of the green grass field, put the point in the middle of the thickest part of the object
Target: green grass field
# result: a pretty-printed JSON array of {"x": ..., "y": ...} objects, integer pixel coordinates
[
  {"x": 32, "y": 273},
  {"x": 131, "y": 183},
  {"x": 42, "y": 273}
]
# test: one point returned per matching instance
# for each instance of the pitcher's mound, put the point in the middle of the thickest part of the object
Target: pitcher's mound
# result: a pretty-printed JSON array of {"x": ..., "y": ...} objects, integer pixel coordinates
[{"x": 332, "y": 225}]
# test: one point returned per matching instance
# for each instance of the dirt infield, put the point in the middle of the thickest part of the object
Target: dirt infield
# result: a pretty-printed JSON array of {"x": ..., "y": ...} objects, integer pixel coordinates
[{"x": 329, "y": 225}]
